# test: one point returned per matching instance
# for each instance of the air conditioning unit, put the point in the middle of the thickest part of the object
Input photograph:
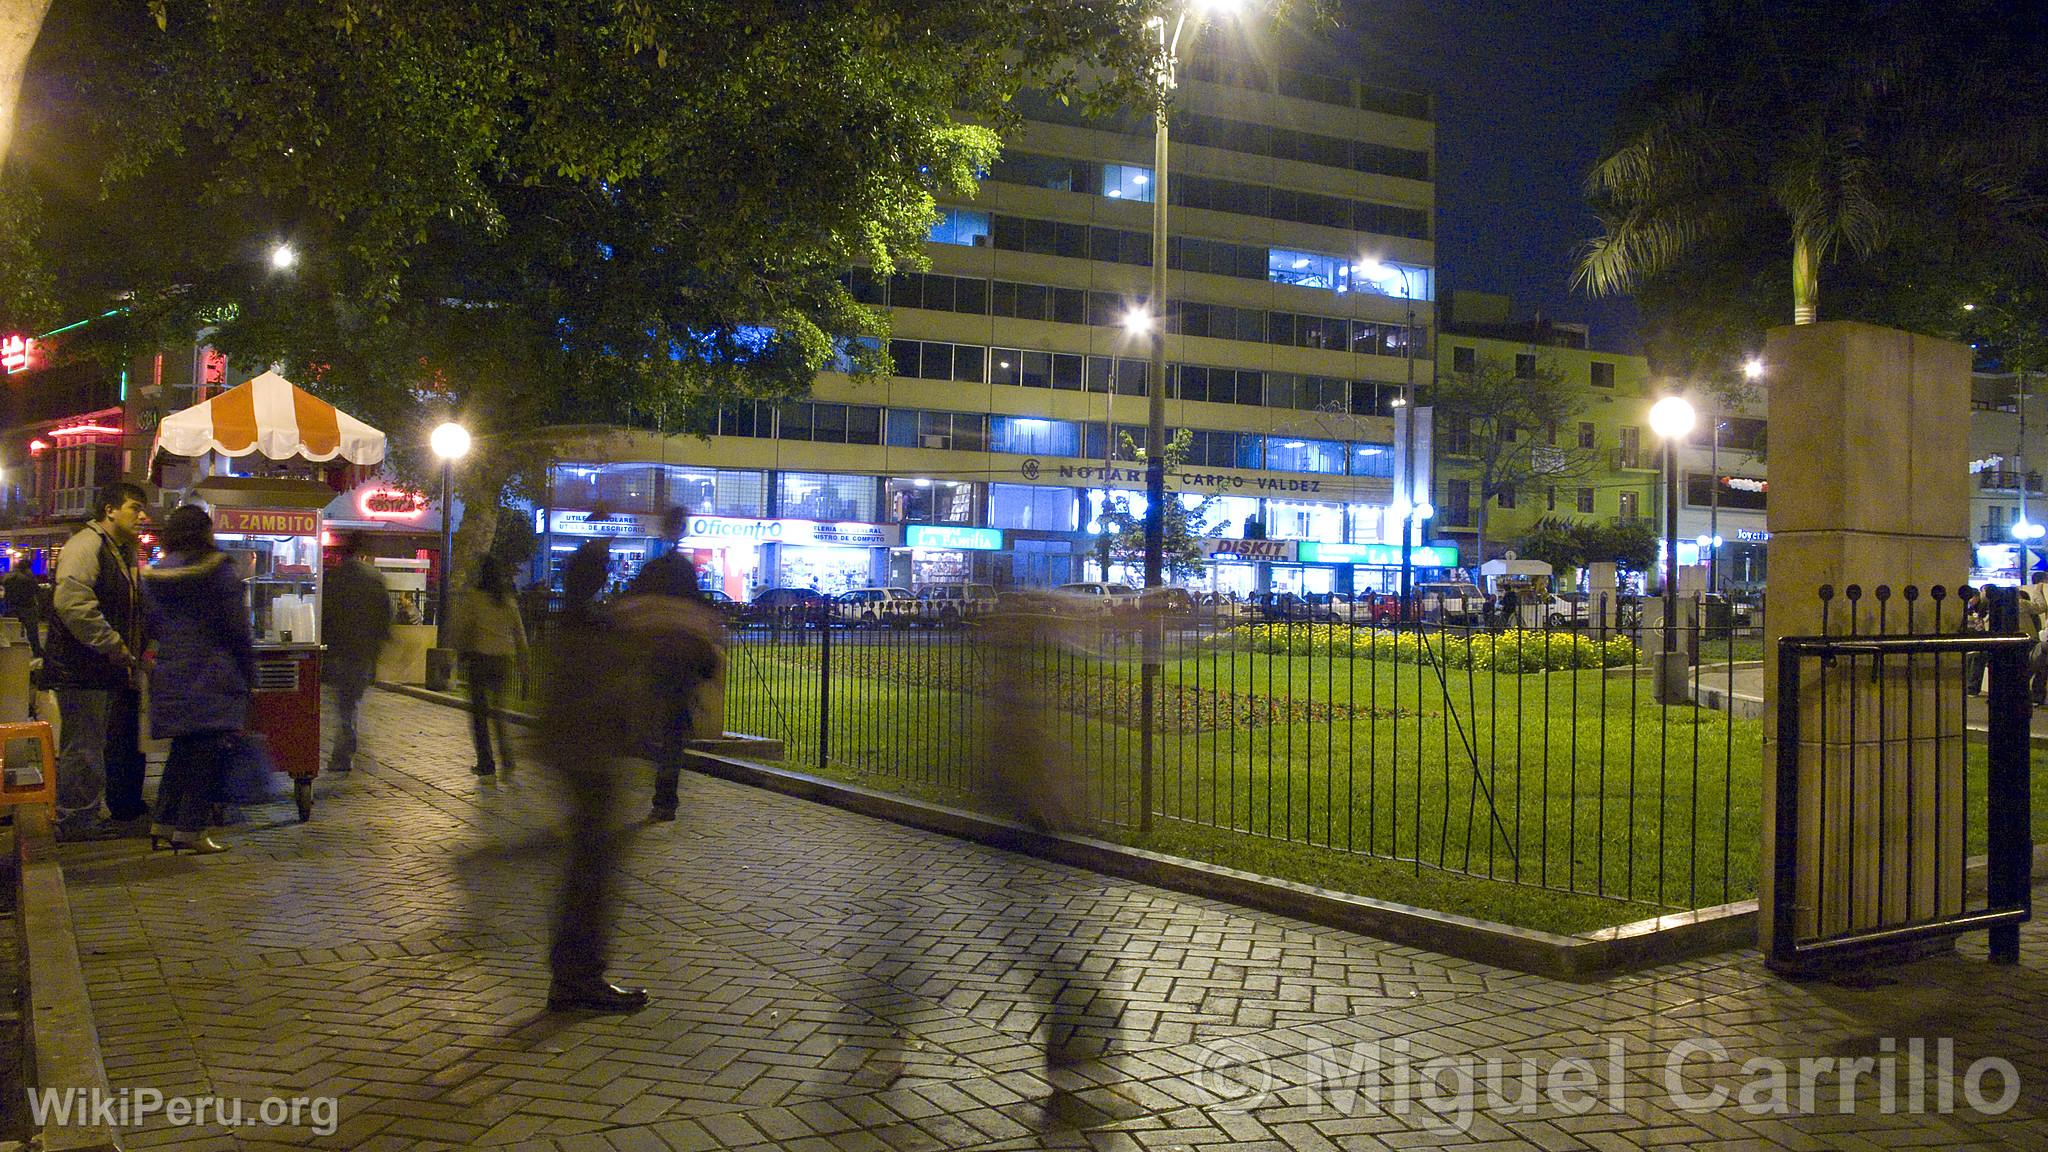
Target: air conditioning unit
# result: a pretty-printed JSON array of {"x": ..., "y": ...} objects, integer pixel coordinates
[
  {"x": 938, "y": 441},
  {"x": 981, "y": 239}
]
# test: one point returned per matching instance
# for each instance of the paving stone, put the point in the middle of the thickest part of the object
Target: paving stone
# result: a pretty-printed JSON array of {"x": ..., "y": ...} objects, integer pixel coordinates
[{"x": 825, "y": 981}]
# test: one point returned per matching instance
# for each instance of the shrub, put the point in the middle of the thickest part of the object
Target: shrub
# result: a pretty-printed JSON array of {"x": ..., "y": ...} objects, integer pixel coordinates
[{"x": 1515, "y": 651}]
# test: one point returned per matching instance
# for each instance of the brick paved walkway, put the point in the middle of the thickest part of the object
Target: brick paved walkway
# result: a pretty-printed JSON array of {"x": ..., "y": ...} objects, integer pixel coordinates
[{"x": 824, "y": 981}]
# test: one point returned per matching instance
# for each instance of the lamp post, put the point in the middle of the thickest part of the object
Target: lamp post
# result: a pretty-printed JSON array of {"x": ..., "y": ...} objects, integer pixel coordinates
[
  {"x": 450, "y": 442},
  {"x": 1671, "y": 418}
]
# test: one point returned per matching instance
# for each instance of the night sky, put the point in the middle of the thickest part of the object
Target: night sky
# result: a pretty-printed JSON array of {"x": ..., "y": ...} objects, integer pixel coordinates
[{"x": 1525, "y": 94}]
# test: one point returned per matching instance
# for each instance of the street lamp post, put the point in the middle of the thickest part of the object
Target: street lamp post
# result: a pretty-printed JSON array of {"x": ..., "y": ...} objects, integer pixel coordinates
[
  {"x": 450, "y": 442},
  {"x": 1671, "y": 418}
]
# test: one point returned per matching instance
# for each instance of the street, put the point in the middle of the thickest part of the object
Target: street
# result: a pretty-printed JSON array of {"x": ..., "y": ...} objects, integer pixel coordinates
[{"x": 825, "y": 981}]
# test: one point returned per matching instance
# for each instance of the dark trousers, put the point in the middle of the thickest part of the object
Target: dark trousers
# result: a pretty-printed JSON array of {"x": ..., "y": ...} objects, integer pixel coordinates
[
  {"x": 350, "y": 680},
  {"x": 582, "y": 943},
  {"x": 125, "y": 762},
  {"x": 671, "y": 746},
  {"x": 184, "y": 797},
  {"x": 487, "y": 676}
]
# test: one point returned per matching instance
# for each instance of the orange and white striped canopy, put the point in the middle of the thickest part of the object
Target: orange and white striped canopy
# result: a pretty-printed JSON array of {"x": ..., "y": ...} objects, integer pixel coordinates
[{"x": 273, "y": 416}]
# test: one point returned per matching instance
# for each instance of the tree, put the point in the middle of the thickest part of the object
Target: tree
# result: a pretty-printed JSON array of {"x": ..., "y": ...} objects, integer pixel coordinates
[
  {"x": 1182, "y": 525},
  {"x": 21, "y": 21},
  {"x": 1900, "y": 144},
  {"x": 1567, "y": 544},
  {"x": 545, "y": 218},
  {"x": 1506, "y": 424}
]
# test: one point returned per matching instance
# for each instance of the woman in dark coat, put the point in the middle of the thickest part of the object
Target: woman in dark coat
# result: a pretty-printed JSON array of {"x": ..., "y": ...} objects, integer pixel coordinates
[{"x": 205, "y": 666}]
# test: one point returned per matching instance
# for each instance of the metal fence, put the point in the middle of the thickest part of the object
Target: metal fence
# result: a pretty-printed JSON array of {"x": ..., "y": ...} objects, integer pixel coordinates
[
  {"x": 1888, "y": 778},
  {"x": 1535, "y": 752}
]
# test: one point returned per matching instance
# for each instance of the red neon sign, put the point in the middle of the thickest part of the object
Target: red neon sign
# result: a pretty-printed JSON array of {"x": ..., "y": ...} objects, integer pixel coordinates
[
  {"x": 391, "y": 504},
  {"x": 38, "y": 447},
  {"x": 16, "y": 351},
  {"x": 86, "y": 430}
]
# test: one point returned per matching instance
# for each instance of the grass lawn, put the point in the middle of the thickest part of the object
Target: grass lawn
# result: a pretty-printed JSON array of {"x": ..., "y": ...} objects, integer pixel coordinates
[{"x": 1562, "y": 800}]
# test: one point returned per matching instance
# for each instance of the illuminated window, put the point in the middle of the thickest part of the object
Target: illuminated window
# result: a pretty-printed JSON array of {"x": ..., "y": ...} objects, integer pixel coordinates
[
  {"x": 1126, "y": 182},
  {"x": 960, "y": 226},
  {"x": 1308, "y": 270}
]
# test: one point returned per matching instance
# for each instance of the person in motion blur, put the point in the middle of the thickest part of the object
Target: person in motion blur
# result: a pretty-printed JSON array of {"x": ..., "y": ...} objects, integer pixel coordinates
[
  {"x": 205, "y": 667},
  {"x": 490, "y": 640},
  {"x": 672, "y": 574},
  {"x": 355, "y": 621},
  {"x": 93, "y": 661},
  {"x": 25, "y": 603},
  {"x": 611, "y": 681}
]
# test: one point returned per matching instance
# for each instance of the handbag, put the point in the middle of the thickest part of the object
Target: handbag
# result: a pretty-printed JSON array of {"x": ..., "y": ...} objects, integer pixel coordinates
[{"x": 248, "y": 775}]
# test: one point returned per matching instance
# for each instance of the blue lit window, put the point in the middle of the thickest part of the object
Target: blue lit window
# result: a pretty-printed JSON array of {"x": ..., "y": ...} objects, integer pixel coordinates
[
  {"x": 1372, "y": 459},
  {"x": 1127, "y": 182},
  {"x": 1027, "y": 436},
  {"x": 1288, "y": 454},
  {"x": 960, "y": 226},
  {"x": 842, "y": 357},
  {"x": 1402, "y": 281},
  {"x": 1308, "y": 270}
]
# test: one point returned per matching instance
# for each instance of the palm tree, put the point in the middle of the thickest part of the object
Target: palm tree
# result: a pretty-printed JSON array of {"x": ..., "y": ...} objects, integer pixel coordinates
[{"x": 1849, "y": 129}]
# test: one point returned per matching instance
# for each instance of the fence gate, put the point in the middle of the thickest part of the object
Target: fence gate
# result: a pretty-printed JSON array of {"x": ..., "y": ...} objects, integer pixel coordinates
[{"x": 1891, "y": 776}]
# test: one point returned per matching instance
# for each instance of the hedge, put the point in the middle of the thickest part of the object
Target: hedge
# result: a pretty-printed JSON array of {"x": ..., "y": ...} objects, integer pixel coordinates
[{"x": 1515, "y": 650}]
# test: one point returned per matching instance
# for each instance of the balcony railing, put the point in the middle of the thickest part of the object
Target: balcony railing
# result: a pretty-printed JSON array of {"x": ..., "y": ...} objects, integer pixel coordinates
[
  {"x": 1619, "y": 458},
  {"x": 2003, "y": 481}
]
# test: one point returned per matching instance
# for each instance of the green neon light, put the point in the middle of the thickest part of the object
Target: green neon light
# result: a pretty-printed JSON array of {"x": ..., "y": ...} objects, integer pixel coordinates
[
  {"x": 82, "y": 323},
  {"x": 124, "y": 385}
]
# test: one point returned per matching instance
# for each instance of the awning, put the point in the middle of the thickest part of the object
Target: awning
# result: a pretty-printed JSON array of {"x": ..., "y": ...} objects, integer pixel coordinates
[{"x": 273, "y": 416}]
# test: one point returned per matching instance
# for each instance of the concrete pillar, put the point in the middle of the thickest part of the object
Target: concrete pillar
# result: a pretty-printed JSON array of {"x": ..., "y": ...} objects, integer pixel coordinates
[
  {"x": 1869, "y": 471},
  {"x": 1601, "y": 588}
]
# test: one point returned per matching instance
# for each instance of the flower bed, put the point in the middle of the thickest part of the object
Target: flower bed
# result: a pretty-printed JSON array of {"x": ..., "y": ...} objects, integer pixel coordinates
[{"x": 1513, "y": 651}]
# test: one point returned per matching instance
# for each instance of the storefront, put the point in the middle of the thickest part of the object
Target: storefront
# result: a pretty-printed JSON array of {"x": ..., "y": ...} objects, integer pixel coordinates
[
  {"x": 944, "y": 554},
  {"x": 1362, "y": 568}
]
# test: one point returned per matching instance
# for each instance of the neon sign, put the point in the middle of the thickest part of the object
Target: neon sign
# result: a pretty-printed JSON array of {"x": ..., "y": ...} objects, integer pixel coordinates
[
  {"x": 16, "y": 351},
  {"x": 391, "y": 504}
]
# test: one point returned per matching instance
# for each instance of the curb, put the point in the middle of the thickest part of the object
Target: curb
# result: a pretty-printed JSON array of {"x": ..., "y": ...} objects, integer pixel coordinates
[
  {"x": 62, "y": 1047},
  {"x": 1584, "y": 957}
]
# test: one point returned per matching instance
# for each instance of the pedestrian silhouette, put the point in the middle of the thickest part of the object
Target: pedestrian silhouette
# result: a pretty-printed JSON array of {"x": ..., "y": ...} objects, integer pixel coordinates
[{"x": 355, "y": 622}]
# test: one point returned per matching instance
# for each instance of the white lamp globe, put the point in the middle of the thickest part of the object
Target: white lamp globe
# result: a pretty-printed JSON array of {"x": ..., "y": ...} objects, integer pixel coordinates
[
  {"x": 1671, "y": 417},
  {"x": 450, "y": 441}
]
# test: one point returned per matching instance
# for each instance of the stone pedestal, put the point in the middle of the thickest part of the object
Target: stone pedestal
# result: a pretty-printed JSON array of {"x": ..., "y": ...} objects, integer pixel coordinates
[
  {"x": 1600, "y": 590},
  {"x": 1869, "y": 471}
]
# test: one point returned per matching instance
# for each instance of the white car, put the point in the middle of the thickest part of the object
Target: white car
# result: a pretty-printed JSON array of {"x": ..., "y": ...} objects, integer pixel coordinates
[
  {"x": 1567, "y": 611},
  {"x": 1451, "y": 603},
  {"x": 869, "y": 607},
  {"x": 1097, "y": 598}
]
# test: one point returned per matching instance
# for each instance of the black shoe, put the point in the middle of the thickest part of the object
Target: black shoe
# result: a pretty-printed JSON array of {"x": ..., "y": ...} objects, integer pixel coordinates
[
  {"x": 596, "y": 996},
  {"x": 484, "y": 770},
  {"x": 662, "y": 815}
]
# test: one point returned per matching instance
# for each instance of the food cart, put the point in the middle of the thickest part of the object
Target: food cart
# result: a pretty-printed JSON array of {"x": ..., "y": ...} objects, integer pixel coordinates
[{"x": 270, "y": 525}]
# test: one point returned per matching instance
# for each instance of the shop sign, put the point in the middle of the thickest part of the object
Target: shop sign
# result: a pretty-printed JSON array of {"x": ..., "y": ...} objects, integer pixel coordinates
[
  {"x": 582, "y": 524},
  {"x": 710, "y": 531},
  {"x": 1752, "y": 535},
  {"x": 17, "y": 352},
  {"x": 952, "y": 536},
  {"x": 1280, "y": 550},
  {"x": 1034, "y": 470},
  {"x": 1379, "y": 555},
  {"x": 391, "y": 504},
  {"x": 267, "y": 521}
]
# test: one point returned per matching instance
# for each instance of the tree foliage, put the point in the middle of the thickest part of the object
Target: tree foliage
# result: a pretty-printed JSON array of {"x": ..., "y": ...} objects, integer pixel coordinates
[
  {"x": 1504, "y": 430},
  {"x": 1182, "y": 525},
  {"x": 1901, "y": 147},
  {"x": 1567, "y": 544}
]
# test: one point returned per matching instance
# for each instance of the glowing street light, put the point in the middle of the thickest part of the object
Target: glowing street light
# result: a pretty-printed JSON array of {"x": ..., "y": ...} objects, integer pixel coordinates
[
  {"x": 283, "y": 258},
  {"x": 450, "y": 442},
  {"x": 1671, "y": 418}
]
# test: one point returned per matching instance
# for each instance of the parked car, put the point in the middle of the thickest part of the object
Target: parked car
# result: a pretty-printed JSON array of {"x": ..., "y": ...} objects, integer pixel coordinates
[
  {"x": 1451, "y": 602},
  {"x": 1096, "y": 597},
  {"x": 727, "y": 608},
  {"x": 788, "y": 608},
  {"x": 1167, "y": 603},
  {"x": 1275, "y": 606},
  {"x": 1224, "y": 608},
  {"x": 871, "y": 607},
  {"x": 946, "y": 605},
  {"x": 1027, "y": 601},
  {"x": 1567, "y": 610},
  {"x": 1345, "y": 608}
]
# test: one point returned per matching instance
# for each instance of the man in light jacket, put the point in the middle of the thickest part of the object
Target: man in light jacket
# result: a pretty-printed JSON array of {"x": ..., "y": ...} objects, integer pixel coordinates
[{"x": 91, "y": 661}]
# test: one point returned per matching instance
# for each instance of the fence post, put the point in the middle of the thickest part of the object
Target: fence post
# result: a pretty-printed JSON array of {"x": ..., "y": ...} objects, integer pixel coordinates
[
  {"x": 824, "y": 691},
  {"x": 1148, "y": 683},
  {"x": 1783, "y": 905},
  {"x": 2009, "y": 847}
]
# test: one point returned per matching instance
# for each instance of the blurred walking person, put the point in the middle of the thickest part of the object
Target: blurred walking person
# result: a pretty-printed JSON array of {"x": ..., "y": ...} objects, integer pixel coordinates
[
  {"x": 490, "y": 641},
  {"x": 355, "y": 622},
  {"x": 614, "y": 674},
  {"x": 689, "y": 665},
  {"x": 25, "y": 603},
  {"x": 92, "y": 660},
  {"x": 198, "y": 614}
]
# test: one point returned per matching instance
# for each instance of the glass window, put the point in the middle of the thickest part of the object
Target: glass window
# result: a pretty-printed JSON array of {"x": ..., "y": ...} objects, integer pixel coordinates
[
  {"x": 1030, "y": 436},
  {"x": 715, "y": 493},
  {"x": 1286, "y": 520},
  {"x": 819, "y": 496},
  {"x": 1032, "y": 301},
  {"x": 920, "y": 500},
  {"x": 1401, "y": 281},
  {"x": 1525, "y": 365},
  {"x": 863, "y": 424},
  {"x": 960, "y": 226},
  {"x": 1031, "y": 507},
  {"x": 903, "y": 358},
  {"x": 938, "y": 293},
  {"x": 1588, "y": 436},
  {"x": 1193, "y": 382},
  {"x": 936, "y": 362},
  {"x": 1070, "y": 305},
  {"x": 1289, "y": 454},
  {"x": 1603, "y": 374},
  {"x": 1464, "y": 359},
  {"x": 971, "y": 296},
  {"x": 828, "y": 423},
  {"x": 1036, "y": 369},
  {"x": 793, "y": 422},
  {"x": 1585, "y": 499},
  {"x": 866, "y": 287},
  {"x": 902, "y": 427},
  {"x": 970, "y": 432},
  {"x": 1066, "y": 372},
  {"x": 1131, "y": 375},
  {"x": 1003, "y": 298},
  {"x": 1372, "y": 459},
  {"x": 1127, "y": 182},
  {"x": 1003, "y": 366},
  {"x": 969, "y": 362},
  {"x": 1308, "y": 269}
]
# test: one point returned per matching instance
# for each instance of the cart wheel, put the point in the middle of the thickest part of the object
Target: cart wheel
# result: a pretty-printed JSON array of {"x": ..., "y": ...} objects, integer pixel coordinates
[{"x": 302, "y": 791}]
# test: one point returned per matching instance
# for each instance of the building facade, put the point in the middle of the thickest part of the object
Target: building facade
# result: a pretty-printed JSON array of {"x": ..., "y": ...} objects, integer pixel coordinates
[
  {"x": 1599, "y": 465},
  {"x": 1301, "y": 284},
  {"x": 2008, "y": 448}
]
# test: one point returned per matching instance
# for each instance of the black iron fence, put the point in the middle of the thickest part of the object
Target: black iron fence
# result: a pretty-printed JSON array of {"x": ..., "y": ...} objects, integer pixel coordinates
[
  {"x": 1539, "y": 751},
  {"x": 1889, "y": 780}
]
